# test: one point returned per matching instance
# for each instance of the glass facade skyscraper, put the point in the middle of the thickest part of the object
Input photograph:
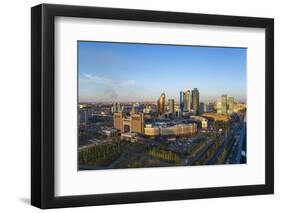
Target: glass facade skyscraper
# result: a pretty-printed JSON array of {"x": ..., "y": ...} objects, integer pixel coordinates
[
  {"x": 224, "y": 104},
  {"x": 195, "y": 100},
  {"x": 181, "y": 101},
  {"x": 161, "y": 104}
]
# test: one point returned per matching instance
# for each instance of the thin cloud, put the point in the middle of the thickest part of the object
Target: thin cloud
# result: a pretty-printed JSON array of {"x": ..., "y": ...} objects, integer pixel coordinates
[{"x": 106, "y": 81}]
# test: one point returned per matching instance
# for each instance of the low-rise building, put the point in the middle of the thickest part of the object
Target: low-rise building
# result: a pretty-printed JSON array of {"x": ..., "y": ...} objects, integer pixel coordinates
[{"x": 175, "y": 130}]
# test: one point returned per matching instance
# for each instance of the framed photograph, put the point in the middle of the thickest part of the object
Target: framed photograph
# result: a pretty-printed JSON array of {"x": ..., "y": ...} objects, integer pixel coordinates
[{"x": 139, "y": 106}]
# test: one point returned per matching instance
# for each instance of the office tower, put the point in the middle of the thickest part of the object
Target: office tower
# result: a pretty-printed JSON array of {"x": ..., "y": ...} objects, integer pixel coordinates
[
  {"x": 187, "y": 100},
  {"x": 181, "y": 101},
  {"x": 206, "y": 107},
  {"x": 230, "y": 103},
  {"x": 201, "y": 107},
  {"x": 161, "y": 104},
  {"x": 218, "y": 107},
  {"x": 116, "y": 107},
  {"x": 171, "y": 103},
  {"x": 224, "y": 104},
  {"x": 195, "y": 100}
]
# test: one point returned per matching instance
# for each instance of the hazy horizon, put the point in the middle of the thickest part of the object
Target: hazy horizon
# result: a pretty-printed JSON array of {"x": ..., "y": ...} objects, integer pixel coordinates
[{"x": 129, "y": 72}]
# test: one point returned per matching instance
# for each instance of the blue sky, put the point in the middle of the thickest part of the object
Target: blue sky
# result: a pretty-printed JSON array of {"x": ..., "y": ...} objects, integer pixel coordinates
[{"x": 141, "y": 72}]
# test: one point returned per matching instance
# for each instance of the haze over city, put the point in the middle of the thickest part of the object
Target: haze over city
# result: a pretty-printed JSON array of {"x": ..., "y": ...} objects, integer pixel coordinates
[{"x": 110, "y": 72}]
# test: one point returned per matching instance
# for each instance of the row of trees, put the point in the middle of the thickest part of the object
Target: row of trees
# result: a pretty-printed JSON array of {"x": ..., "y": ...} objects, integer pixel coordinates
[
  {"x": 221, "y": 158},
  {"x": 98, "y": 154},
  {"x": 195, "y": 146},
  {"x": 221, "y": 125},
  {"x": 165, "y": 155}
]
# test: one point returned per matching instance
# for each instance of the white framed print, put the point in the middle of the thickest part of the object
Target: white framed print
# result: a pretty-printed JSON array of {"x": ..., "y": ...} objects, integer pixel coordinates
[{"x": 139, "y": 106}]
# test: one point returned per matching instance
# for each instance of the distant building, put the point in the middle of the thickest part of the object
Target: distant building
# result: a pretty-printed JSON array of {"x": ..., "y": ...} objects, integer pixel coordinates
[
  {"x": 171, "y": 104},
  {"x": 181, "y": 101},
  {"x": 203, "y": 107},
  {"x": 224, "y": 104},
  {"x": 195, "y": 100},
  {"x": 116, "y": 107},
  {"x": 136, "y": 108},
  {"x": 187, "y": 101},
  {"x": 230, "y": 103},
  {"x": 204, "y": 124},
  {"x": 161, "y": 104},
  {"x": 218, "y": 107},
  {"x": 83, "y": 116},
  {"x": 110, "y": 132}
]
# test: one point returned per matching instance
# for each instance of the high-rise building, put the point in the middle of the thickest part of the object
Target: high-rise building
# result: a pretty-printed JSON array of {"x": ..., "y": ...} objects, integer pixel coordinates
[
  {"x": 230, "y": 103},
  {"x": 206, "y": 107},
  {"x": 195, "y": 100},
  {"x": 187, "y": 100},
  {"x": 218, "y": 107},
  {"x": 224, "y": 104},
  {"x": 171, "y": 104},
  {"x": 181, "y": 101},
  {"x": 201, "y": 107},
  {"x": 161, "y": 104}
]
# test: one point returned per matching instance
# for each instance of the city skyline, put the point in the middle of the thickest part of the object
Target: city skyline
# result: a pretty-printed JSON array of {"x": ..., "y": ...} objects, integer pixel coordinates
[{"x": 122, "y": 72}]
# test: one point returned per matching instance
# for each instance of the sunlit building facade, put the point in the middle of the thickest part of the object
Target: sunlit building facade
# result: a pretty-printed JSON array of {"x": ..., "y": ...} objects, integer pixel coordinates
[
  {"x": 176, "y": 130},
  {"x": 161, "y": 104},
  {"x": 133, "y": 123},
  {"x": 171, "y": 104},
  {"x": 224, "y": 104},
  {"x": 187, "y": 100}
]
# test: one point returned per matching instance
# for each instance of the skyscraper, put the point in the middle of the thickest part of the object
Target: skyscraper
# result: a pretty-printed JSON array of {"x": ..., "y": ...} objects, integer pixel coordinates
[
  {"x": 171, "y": 103},
  {"x": 195, "y": 100},
  {"x": 187, "y": 100},
  {"x": 181, "y": 101},
  {"x": 224, "y": 104},
  {"x": 230, "y": 103},
  {"x": 161, "y": 104}
]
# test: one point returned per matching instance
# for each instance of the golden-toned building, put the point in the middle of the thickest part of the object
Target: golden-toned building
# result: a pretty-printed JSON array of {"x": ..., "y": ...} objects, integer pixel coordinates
[
  {"x": 176, "y": 130},
  {"x": 117, "y": 121},
  {"x": 151, "y": 131},
  {"x": 137, "y": 123},
  {"x": 161, "y": 104},
  {"x": 133, "y": 123},
  {"x": 171, "y": 104},
  {"x": 204, "y": 124},
  {"x": 239, "y": 107},
  {"x": 216, "y": 117}
]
